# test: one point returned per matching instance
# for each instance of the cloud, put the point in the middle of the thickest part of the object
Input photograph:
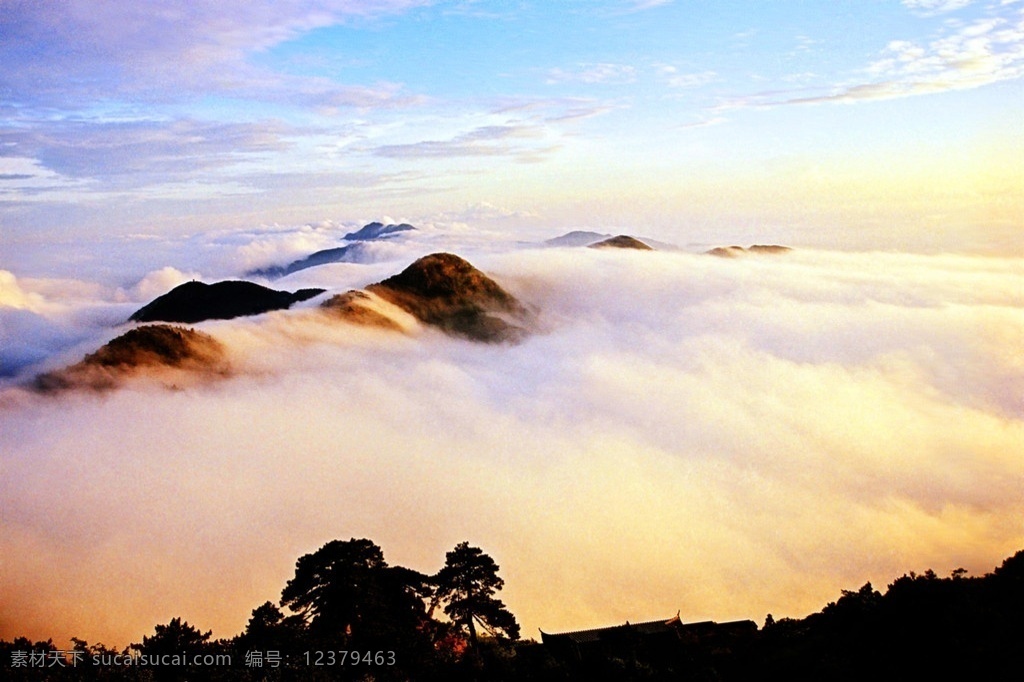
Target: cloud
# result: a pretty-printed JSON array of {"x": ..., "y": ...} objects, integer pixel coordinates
[
  {"x": 61, "y": 52},
  {"x": 13, "y": 296},
  {"x": 158, "y": 283},
  {"x": 26, "y": 178},
  {"x": 591, "y": 74},
  {"x": 134, "y": 152},
  {"x": 705, "y": 123},
  {"x": 691, "y": 80},
  {"x": 987, "y": 50},
  {"x": 494, "y": 140},
  {"x": 641, "y": 5},
  {"x": 41, "y": 318},
  {"x": 936, "y": 6},
  {"x": 722, "y": 437}
]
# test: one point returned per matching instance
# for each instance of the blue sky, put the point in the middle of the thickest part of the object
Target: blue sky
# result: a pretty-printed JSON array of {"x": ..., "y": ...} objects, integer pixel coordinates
[{"x": 880, "y": 124}]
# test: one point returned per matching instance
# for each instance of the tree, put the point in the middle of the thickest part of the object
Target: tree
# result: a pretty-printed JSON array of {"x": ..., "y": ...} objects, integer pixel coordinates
[
  {"x": 175, "y": 638},
  {"x": 271, "y": 630},
  {"x": 347, "y": 592},
  {"x": 171, "y": 642},
  {"x": 467, "y": 585}
]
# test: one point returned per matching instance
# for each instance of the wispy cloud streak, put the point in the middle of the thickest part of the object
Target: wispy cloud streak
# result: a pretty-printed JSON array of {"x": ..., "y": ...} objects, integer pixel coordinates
[{"x": 985, "y": 51}]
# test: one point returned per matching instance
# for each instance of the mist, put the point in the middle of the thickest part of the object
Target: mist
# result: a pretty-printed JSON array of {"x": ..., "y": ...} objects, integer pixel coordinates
[{"x": 722, "y": 438}]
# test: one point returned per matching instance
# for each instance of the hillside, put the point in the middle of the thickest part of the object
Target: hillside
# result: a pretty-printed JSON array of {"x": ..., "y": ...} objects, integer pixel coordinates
[{"x": 162, "y": 351}]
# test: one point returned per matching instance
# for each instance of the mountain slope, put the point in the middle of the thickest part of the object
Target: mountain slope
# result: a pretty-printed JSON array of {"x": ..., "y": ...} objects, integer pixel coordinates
[
  {"x": 444, "y": 291},
  {"x": 163, "y": 351}
]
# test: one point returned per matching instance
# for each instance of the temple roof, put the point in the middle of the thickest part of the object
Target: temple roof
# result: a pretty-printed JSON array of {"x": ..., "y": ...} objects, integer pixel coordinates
[
  {"x": 651, "y": 627},
  {"x": 647, "y": 628}
]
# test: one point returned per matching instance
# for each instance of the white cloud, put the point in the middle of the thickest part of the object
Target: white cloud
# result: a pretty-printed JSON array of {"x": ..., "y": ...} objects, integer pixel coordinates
[
  {"x": 970, "y": 55},
  {"x": 41, "y": 318},
  {"x": 514, "y": 139},
  {"x": 593, "y": 74},
  {"x": 936, "y": 6},
  {"x": 691, "y": 80},
  {"x": 725, "y": 437},
  {"x": 60, "y": 50},
  {"x": 640, "y": 5},
  {"x": 13, "y": 296},
  {"x": 158, "y": 283}
]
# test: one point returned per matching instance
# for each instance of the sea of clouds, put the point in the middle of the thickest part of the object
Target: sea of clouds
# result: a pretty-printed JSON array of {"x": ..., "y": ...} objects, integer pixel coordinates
[{"x": 725, "y": 438}]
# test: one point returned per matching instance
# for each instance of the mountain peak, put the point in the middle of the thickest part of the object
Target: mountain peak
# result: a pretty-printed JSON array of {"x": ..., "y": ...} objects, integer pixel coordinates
[
  {"x": 447, "y": 277},
  {"x": 444, "y": 291},
  {"x": 622, "y": 241},
  {"x": 194, "y": 301},
  {"x": 149, "y": 348},
  {"x": 377, "y": 231}
]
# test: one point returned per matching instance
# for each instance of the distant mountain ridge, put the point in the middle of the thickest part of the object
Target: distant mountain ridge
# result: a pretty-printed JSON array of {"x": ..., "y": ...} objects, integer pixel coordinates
[
  {"x": 622, "y": 241},
  {"x": 377, "y": 231},
  {"x": 193, "y": 302},
  {"x": 737, "y": 251},
  {"x": 350, "y": 253},
  {"x": 576, "y": 238}
]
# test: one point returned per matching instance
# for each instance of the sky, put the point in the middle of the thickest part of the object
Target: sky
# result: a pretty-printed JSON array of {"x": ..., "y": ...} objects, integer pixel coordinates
[
  {"x": 852, "y": 125},
  {"x": 725, "y": 438}
]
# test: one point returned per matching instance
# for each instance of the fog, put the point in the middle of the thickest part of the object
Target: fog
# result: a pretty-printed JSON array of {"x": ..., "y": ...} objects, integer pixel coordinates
[{"x": 723, "y": 438}]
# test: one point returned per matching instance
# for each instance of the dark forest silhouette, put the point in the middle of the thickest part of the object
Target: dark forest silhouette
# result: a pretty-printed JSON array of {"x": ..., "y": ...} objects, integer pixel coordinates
[{"x": 346, "y": 602}]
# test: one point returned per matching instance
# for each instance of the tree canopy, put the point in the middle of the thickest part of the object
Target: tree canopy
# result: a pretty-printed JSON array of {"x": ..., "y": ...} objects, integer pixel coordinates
[
  {"x": 348, "y": 594},
  {"x": 467, "y": 584}
]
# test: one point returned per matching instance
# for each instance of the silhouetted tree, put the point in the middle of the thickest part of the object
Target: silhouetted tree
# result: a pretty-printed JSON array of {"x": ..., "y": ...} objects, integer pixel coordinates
[
  {"x": 175, "y": 638},
  {"x": 175, "y": 641},
  {"x": 467, "y": 585},
  {"x": 353, "y": 600},
  {"x": 271, "y": 630}
]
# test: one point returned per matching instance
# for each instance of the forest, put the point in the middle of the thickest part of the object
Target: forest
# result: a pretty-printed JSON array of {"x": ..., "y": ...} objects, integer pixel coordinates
[{"x": 348, "y": 615}]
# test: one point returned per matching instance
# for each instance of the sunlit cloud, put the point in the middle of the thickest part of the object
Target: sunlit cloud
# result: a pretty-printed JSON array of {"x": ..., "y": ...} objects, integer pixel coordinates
[{"x": 725, "y": 438}]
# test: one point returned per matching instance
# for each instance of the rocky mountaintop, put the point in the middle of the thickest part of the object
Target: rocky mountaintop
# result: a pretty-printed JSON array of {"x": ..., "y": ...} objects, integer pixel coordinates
[
  {"x": 622, "y": 241},
  {"x": 152, "y": 348},
  {"x": 444, "y": 291}
]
